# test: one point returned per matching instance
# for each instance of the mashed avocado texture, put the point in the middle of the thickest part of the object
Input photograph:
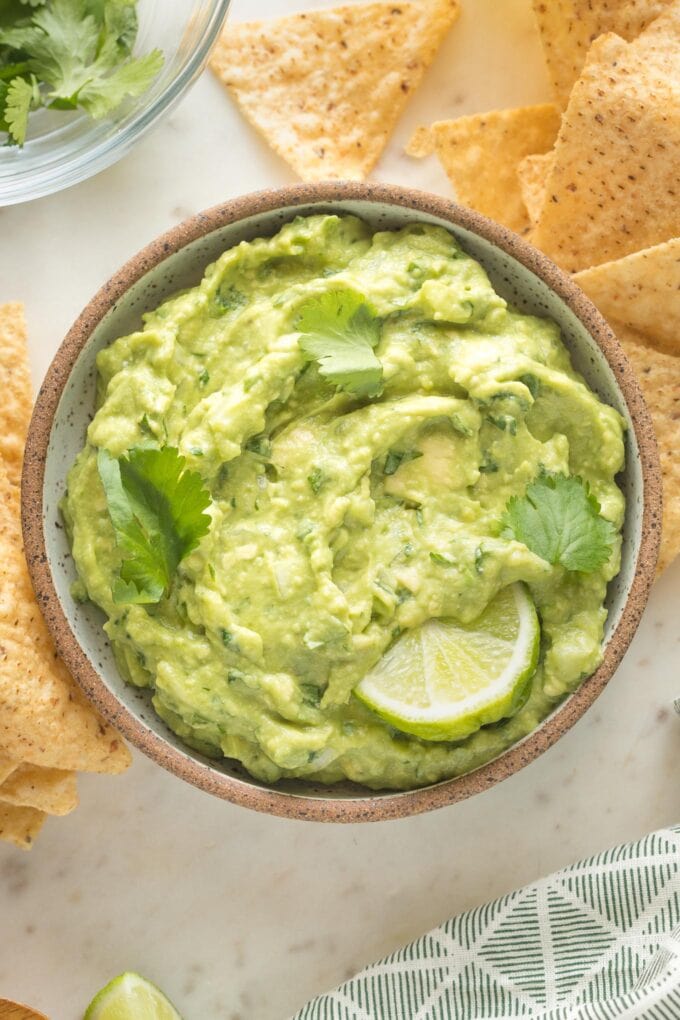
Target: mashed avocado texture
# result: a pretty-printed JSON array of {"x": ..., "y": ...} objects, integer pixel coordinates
[{"x": 339, "y": 521}]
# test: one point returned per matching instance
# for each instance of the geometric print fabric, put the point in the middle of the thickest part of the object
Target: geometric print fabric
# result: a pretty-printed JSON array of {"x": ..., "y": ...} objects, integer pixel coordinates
[{"x": 599, "y": 940}]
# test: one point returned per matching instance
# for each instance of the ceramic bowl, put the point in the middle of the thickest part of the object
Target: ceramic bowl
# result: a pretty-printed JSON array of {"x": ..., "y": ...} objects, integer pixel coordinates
[{"x": 177, "y": 260}]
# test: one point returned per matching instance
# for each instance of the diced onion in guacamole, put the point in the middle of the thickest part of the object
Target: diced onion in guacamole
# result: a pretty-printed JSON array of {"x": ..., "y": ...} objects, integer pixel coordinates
[{"x": 359, "y": 470}]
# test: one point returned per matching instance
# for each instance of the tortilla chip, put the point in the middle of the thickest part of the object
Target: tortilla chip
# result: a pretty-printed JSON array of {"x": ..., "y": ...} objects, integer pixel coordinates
[
  {"x": 7, "y": 767},
  {"x": 15, "y": 385},
  {"x": 568, "y": 27},
  {"x": 659, "y": 378},
  {"x": 661, "y": 34},
  {"x": 19, "y": 825},
  {"x": 480, "y": 155},
  {"x": 614, "y": 186},
  {"x": 641, "y": 290},
  {"x": 50, "y": 790},
  {"x": 44, "y": 719},
  {"x": 532, "y": 173},
  {"x": 325, "y": 88},
  {"x": 421, "y": 143}
]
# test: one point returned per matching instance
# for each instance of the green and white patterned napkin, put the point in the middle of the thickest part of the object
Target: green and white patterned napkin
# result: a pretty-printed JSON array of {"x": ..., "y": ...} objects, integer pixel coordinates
[{"x": 597, "y": 941}]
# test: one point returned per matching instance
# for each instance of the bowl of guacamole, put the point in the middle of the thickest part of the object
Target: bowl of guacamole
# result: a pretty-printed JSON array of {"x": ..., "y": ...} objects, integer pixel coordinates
[{"x": 341, "y": 502}]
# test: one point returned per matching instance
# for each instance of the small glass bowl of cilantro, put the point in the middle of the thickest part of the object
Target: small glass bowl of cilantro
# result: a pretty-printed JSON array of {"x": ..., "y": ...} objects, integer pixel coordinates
[{"x": 81, "y": 80}]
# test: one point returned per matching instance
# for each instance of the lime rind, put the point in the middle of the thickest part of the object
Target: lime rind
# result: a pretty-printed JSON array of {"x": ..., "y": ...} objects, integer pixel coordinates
[
  {"x": 131, "y": 997},
  {"x": 469, "y": 676}
]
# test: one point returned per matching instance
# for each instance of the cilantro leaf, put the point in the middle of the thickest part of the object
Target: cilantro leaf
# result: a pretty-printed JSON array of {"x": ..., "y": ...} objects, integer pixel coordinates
[
  {"x": 157, "y": 510},
  {"x": 317, "y": 479},
  {"x": 64, "y": 46},
  {"x": 395, "y": 458},
  {"x": 18, "y": 36},
  {"x": 105, "y": 91},
  {"x": 14, "y": 12},
  {"x": 10, "y": 71},
  {"x": 559, "y": 519},
  {"x": 120, "y": 21},
  {"x": 79, "y": 52},
  {"x": 22, "y": 96},
  {"x": 441, "y": 560},
  {"x": 339, "y": 331}
]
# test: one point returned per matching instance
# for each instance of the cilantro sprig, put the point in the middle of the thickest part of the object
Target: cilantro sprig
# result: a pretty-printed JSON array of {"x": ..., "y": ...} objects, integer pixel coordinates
[
  {"x": 68, "y": 54},
  {"x": 339, "y": 331},
  {"x": 395, "y": 458},
  {"x": 559, "y": 519},
  {"x": 157, "y": 509}
]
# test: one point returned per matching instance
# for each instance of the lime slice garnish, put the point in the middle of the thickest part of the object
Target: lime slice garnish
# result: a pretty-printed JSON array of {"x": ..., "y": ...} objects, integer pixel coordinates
[
  {"x": 444, "y": 680},
  {"x": 131, "y": 997}
]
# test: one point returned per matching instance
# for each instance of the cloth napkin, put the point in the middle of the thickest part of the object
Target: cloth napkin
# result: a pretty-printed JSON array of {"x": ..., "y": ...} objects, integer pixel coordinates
[{"x": 599, "y": 940}]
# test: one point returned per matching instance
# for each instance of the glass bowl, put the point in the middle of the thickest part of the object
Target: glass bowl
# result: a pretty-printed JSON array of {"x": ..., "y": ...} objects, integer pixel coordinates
[{"x": 65, "y": 148}]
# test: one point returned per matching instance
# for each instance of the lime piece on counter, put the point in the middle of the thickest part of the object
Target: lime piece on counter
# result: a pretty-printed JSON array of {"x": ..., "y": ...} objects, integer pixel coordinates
[
  {"x": 444, "y": 680},
  {"x": 131, "y": 997}
]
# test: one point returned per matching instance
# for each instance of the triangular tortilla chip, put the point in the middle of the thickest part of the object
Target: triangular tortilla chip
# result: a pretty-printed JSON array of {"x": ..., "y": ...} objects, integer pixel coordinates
[
  {"x": 50, "y": 790},
  {"x": 533, "y": 172},
  {"x": 642, "y": 291},
  {"x": 480, "y": 154},
  {"x": 659, "y": 378},
  {"x": 44, "y": 718},
  {"x": 19, "y": 825},
  {"x": 325, "y": 88},
  {"x": 15, "y": 386},
  {"x": 615, "y": 186},
  {"x": 568, "y": 27}
]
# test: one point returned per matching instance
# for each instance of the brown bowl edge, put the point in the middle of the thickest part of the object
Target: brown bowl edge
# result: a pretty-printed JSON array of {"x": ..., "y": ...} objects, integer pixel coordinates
[{"x": 366, "y": 808}]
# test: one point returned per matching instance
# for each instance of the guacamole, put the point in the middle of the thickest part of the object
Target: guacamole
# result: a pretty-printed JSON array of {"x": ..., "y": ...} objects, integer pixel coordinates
[{"x": 340, "y": 517}]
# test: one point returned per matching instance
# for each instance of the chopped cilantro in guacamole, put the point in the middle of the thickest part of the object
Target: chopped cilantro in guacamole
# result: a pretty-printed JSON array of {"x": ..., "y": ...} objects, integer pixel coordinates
[{"x": 375, "y": 449}]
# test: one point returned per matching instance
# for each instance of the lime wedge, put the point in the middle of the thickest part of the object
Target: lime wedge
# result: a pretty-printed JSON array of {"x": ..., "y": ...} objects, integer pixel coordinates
[
  {"x": 131, "y": 997},
  {"x": 444, "y": 680}
]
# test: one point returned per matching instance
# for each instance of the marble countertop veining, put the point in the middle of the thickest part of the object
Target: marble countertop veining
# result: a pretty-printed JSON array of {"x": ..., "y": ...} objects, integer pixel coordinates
[{"x": 239, "y": 916}]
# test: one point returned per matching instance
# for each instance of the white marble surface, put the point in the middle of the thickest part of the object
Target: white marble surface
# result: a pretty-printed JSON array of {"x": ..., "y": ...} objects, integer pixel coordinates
[{"x": 240, "y": 916}]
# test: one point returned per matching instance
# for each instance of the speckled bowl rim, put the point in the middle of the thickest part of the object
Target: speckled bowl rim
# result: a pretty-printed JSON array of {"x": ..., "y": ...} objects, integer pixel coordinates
[{"x": 269, "y": 799}]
